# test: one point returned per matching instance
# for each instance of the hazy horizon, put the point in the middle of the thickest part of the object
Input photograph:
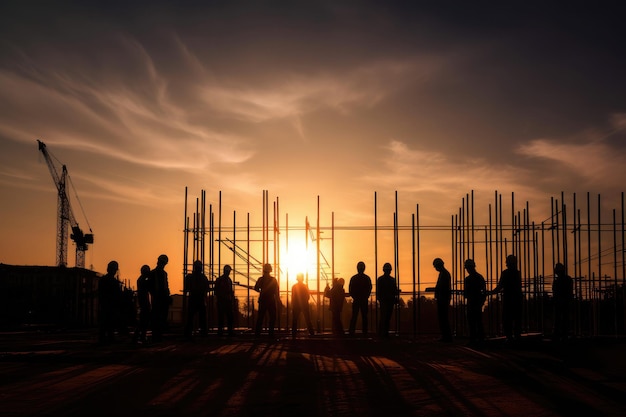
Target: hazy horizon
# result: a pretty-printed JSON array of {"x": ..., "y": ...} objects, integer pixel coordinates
[{"x": 336, "y": 100}]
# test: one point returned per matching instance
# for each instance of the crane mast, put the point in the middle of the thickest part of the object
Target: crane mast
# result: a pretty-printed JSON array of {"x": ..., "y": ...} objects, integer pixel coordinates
[{"x": 65, "y": 216}]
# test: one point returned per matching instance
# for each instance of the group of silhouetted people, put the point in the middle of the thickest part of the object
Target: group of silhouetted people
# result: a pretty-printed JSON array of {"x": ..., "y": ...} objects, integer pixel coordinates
[
  {"x": 153, "y": 298},
  {"x": 510, "y": 286},
  {"x": 360, "y": 289}
]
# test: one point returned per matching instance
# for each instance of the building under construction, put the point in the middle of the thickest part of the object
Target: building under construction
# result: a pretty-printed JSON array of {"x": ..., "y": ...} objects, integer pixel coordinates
[{"x": 581, "y": 233}]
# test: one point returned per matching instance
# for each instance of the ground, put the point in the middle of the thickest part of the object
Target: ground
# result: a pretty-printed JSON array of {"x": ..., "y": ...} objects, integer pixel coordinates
[{"x": 67, "y": 373}]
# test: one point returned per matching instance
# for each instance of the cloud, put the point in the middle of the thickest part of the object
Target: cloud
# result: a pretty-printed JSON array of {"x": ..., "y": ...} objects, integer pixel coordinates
[
  {"x": 590, "y": 162},
  {"x": 423, "y": 171},
  {"x": 291, "y": 95}
]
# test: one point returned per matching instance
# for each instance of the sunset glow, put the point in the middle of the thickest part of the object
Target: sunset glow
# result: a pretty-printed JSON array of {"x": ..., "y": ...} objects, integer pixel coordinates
[
  {"x": 299, "y": 259},
  {"x": 305, "y": 101}
]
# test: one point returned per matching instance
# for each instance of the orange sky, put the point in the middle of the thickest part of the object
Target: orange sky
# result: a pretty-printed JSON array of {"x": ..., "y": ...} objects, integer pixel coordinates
[{"x": 303, "y": 101}]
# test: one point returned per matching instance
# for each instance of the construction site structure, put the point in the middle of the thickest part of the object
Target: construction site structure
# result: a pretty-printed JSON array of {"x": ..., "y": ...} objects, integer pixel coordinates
[
  {"x": 65, "y": 214},
  {"x": 573, "y": 234}
]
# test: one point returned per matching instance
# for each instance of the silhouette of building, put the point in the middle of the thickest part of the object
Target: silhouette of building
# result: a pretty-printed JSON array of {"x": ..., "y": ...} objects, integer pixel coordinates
[{"x": 47, "y": 295}]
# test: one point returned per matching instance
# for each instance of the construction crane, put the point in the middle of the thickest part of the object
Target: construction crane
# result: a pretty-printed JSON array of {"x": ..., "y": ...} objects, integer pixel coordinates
[{"x": 65, "y": 216}]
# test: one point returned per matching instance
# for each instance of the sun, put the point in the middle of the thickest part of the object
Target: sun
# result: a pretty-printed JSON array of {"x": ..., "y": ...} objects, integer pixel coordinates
[{"x": 298, "y": 258}]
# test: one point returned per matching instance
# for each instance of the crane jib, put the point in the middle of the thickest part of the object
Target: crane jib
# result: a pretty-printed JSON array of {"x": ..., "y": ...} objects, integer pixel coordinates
[{"x": 65, "y": 216}]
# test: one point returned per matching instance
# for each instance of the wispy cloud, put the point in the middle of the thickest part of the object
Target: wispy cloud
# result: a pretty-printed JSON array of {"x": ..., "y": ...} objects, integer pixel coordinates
[
  {"x": 592, "y": 162},
  {"x": 291, "y": 95},
  {"x": 423, "y": 171}
]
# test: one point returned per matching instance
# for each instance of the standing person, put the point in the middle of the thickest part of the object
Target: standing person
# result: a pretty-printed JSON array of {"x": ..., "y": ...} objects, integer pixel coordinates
[
  {"x": 195, "y": 288},
  {"x": 510, "y": 285},
  {"x": 443, "y": 295},
  {"x": 337, "y": 298},
  {"x": 563, "y": 294},
  {"x": 475, "y": 293},
  {"x": 387, "y": 296},
  {"x": 225, "y": 300},
  {"x": 109, "y": 298},
  {"x": 160, "y": 294},
  {"x": 360, "y": 288},
  {"x": 269, "y": 298},
  {"x": 143, "y": 300},
  {"x": 300, "y": 301}
]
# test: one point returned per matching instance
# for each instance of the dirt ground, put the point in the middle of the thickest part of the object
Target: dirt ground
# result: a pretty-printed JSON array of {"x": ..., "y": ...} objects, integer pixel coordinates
[{"x": 68, "y": 374}]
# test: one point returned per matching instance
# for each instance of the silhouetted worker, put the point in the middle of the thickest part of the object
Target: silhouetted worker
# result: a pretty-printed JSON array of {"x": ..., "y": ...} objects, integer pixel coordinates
[
  {"x": 337, "y": 298},
  {"x": 360, "y": 288},
  {"x": 387, "y": 296},
  {"x": 510, "y": 285},
  {"x": 143, "y": 300},
  {"x": 300, "y": 303},
  {"x": 268, "y": 300},
  {"x": 195, "y": 288},
  {"x": 109, "y": 298},
  {"x": 160, "y": 294},
  {"x": 443, "y": 295},
  {"x": 225, "y": 301},
  {"x": 474, "y": 291},
  {"x": 563, "y": 295}
]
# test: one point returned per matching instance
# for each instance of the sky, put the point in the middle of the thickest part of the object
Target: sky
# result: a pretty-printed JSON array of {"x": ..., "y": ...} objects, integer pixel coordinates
[{"x": 329, "y": 100}]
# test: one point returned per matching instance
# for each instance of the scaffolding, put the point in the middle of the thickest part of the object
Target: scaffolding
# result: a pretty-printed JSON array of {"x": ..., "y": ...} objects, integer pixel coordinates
[{"x": 577, "y": 236}]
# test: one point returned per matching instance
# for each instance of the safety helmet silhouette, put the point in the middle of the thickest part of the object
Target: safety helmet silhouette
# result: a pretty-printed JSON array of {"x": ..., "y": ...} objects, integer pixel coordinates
[
  {"x": 112, "y": 267},
  {"x": 511, "y": 260},
  {"x": 267, "y": 268},
  {"x": 438, "y": 262}
]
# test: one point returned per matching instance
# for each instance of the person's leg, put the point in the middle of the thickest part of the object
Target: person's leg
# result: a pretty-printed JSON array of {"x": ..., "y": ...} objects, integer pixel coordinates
[
  {"x": 272, "y": 312},
  {"x": 259, "y": 320},
  {"x": 294, "y": 322},
  {"x": 364, "y": 317},
  {"x": 355, "y": 314}
]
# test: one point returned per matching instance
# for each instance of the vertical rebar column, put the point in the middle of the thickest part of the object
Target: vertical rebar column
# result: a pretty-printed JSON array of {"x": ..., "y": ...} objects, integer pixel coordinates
[
  {"x": 396, "y": 260},
  {"x": 600, "y": 286},
  {"x": 185, "y": 238},
  {"x": 623, "y": 266},
  {"x": 375, "y": 251},
  {"x": 417, "y": 247},
  {"x": 318, "y": 263},
  {"x": 277, "y": 269},
  {"x": 413, "y": 265},
  {"x": 614, "y": 272},
  {"x": 489, "y": 240},
  {"x": 234, "y": 267},
  {"x": 590, "y": 277},
  {"x": 219, "y": 235},
  {"x": 576, "y": 233},
  {"x": 248, "y": 301},
  {"x": 287, "y": 271}
]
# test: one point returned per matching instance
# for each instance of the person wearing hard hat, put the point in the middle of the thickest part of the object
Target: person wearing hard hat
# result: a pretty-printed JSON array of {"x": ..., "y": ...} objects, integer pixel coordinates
[
  {"x": 360, "y": 288},
  {"x": 300, "y": 295},
  {"x": 160, "y": 294},
  {"x": 443, "y": 295},
  {"x": 510, "y": 285},
  {"x": 387, "y": 297},
  {"x": 225, "y": 301},
  {"x": 269, "y": 298},
  {"x": 474, "y": 291}
]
